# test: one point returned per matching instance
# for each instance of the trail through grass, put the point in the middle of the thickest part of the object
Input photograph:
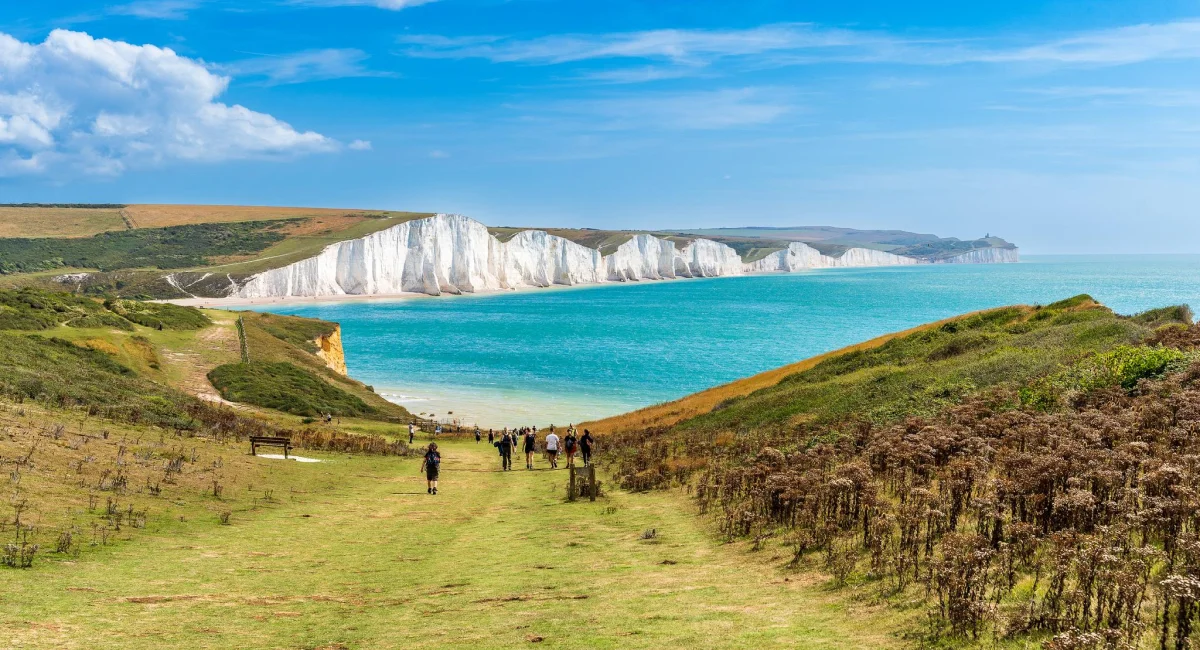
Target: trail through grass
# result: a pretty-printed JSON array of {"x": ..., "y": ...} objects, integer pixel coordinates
[{"x": 359, "y": 556}]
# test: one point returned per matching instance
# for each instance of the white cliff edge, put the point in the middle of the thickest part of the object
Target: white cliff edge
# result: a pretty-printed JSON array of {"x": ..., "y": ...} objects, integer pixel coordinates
[{"x": 454, "y": 254}]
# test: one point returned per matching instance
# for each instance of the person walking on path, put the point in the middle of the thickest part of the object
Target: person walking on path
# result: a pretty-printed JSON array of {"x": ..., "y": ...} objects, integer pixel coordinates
[
  {"x": 530, "y": 447},
  {"x": 570, "y": 445},
  {"x": 411, "y": 428},
  {"x": 431, "y": 465},
  {"x": 437, "y": 430},
  {"x": 585, "y": 445},
  {"x": 477, "y": 436},
  {"x": 491, "y": 437},
  {"x": 552, "y": 448},
  {"x": 505, "y": 446}
]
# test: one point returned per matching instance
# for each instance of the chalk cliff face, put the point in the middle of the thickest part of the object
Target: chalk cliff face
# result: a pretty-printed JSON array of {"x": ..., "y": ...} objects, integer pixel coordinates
[
  {"x": 454, "y": 254},
  {"x": 986, "y": 256},
  {"x": 799, "y": 255}
]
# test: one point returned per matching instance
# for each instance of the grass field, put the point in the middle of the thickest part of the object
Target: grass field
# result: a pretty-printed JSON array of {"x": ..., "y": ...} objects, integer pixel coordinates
[
  {"x": 58, "y": 222},
  {"x": 353, "y": 554}
]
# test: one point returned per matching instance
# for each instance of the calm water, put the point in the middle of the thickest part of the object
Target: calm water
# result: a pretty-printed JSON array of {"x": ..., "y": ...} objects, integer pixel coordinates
[{"x": 566, "y": 355}]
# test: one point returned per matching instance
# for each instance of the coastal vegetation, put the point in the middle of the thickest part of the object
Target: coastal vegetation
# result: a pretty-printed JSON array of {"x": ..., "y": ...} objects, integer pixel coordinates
[
  {"x": 284, "y": 387},
  {"x": 1022, "y": 474}
]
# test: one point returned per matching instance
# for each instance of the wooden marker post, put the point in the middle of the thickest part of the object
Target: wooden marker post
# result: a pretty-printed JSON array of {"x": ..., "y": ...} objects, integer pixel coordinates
[
  {"x": 571, "y": 493},
  {"x": 592, "y": 482}
]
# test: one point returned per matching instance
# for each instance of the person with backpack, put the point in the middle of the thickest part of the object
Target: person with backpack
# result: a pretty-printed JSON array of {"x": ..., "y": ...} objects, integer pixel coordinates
[
  {"x": 585, "y": 445},
  {"x": 530, "y": 447},
  {"x": 431, "y": 466},
  {"x": 570, "y": 445},
  {"x": 505, "y": 446},
  {"x": 477, "y": 436},
  {"x": 411, "y": 428},
  {"x": 491, "y": 437}
]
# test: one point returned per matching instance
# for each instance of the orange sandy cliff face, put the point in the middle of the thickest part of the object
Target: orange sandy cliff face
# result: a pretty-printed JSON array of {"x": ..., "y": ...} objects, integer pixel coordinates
[{"x": 331, "y": 351}]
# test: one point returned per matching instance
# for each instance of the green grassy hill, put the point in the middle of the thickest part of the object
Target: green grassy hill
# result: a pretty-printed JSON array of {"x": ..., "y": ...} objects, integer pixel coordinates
[{"x": 1022, "y": 475}]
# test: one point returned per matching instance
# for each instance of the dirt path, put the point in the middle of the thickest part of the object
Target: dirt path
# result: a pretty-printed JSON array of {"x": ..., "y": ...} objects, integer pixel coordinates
[{"x": 189, "y": 361}]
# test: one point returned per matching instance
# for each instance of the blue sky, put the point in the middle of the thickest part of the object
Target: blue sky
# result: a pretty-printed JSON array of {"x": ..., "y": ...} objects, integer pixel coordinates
[{"x": 1063, "y": 126}]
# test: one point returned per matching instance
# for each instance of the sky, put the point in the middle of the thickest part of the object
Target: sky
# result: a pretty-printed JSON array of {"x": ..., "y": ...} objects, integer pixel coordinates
[{"x": 1065, "y": 127}]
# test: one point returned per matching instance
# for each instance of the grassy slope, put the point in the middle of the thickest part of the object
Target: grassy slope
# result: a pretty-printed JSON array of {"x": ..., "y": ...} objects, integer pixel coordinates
[
  {"x": 670, "y": 413},
  {"x": 354, "y": 553},
  {"x": 1001, "y": 353},
  {"x": 181, "y": 359},
  {"x": 265, "y": 346}
]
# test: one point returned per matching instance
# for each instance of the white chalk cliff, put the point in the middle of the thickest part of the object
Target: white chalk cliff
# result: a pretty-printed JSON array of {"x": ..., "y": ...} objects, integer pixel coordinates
[{"x": 454, "y": 254}]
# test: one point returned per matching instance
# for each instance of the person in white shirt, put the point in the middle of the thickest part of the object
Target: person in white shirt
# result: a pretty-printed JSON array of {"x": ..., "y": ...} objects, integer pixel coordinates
[{"x": 552, "y": 448}]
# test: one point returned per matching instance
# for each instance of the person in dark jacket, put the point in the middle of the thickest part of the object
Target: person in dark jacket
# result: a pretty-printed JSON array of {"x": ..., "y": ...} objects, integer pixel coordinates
[
  {"x": 585, "y": 445},
  {"x": 432, "y": 465},
  {"x": 505, "y": 446}
]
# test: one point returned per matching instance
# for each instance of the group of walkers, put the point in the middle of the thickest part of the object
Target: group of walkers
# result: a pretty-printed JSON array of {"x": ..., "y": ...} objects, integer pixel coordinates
[
  {"x": 570, "y": 445},
  {"x": 506, "y": 442}
]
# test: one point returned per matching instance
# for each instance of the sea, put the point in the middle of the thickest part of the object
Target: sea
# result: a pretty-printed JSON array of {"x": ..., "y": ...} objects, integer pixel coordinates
[{"x": 571, "y": 354}]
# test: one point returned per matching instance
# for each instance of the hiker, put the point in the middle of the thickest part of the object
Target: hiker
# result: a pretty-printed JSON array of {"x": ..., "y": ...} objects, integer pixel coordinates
[
  {"x": 530, "y": 447},
  {"x": 411, "y": 428},
  {"x": 552, "y": 448},
  {"x": 437, "y": 430},
  {"x": 431, "y": 465},
  {"x": 491, "y": 437},
  {"x": 570, "y": 445},
  {"x": 505, "y": 446},
  {"x": 477, "y": 436},
  {"x": 585, "y": 445}
]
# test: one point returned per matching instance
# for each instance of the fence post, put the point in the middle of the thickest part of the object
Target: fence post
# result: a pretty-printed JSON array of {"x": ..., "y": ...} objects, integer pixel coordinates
[
  {"x": 591, "y": 481},
  {"x": 571, "y": 490},
  {"x": 241, "y": 330}
]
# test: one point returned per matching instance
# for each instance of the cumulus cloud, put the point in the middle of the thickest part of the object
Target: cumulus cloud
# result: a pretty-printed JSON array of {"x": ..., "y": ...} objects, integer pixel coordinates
[
  {"x": 360, "y": 145},
  {"x": 74, "y": 102}
]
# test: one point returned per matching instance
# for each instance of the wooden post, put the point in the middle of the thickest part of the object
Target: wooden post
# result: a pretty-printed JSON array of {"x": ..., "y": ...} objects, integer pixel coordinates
[
  {"x": 592, "y": 482},
  {"x": 571, "y": 490}
]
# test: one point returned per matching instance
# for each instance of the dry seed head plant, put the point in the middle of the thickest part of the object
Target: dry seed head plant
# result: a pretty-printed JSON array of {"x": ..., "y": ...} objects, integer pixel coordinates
[{"x": 1063, "y": 508}]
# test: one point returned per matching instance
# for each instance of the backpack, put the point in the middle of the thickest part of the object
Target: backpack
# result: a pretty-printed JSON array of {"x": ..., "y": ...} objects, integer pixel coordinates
[{"x": 433, "y": 459}]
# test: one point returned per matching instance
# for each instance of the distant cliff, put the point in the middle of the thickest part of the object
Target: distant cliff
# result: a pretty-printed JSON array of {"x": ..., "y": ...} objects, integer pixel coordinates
[{"x": 454, "y": 254}]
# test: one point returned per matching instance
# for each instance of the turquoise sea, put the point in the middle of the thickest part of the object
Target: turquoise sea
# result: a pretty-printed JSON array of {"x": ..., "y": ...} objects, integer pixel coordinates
[{"x": 555, "y": 356}]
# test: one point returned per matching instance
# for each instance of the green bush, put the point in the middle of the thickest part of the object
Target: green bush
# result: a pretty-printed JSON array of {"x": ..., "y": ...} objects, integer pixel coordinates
[
  {"x": 35, "y": 309},
  {"x": 159, "y": 315},
  {"x": 101, "y": 321},
  {"x": 1121, "y": 366},
  {"x": 284, "y": 387},
  {"x": 164, "y": 248}
]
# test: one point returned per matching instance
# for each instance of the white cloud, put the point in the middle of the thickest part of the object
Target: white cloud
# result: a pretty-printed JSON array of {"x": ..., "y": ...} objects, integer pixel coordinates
[
  {"x": 701, "y": 110},
  {"x": 360, "y": 145},
  {"x": 393, "y": 5},
  {"x": 310, "y": 65},
  {"x": 803, "y": 43},
  {"x": 438, "y": 153},
  {"x": 74, "y": 102},
  {"x": 156, "y": 9}
]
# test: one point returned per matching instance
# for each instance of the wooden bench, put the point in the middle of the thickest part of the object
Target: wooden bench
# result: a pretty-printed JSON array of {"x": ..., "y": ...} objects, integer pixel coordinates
[{"x": 270, "y": 441}]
